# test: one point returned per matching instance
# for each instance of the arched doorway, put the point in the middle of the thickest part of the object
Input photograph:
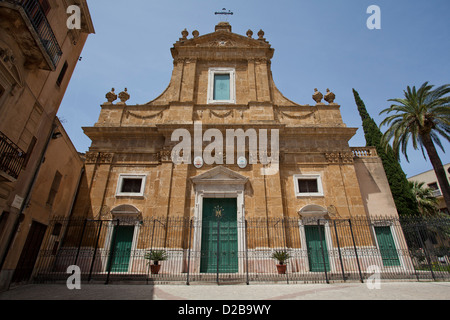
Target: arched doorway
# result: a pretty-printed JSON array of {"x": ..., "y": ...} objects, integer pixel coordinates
[
  {"x": 219, "y": 188},
  {"x": 316, "y": 237},
  {"x": 123, "y": 235}
]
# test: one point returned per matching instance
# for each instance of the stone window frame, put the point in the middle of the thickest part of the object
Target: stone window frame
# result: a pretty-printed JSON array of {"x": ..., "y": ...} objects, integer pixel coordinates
[
  {"x": 123, "y": 176},
  {"x": 211, "y": 73},
  {"x": 317, "y": 177}
]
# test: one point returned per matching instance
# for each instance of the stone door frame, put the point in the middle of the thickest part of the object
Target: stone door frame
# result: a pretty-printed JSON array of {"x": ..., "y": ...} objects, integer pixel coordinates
[{"x": 219, "y": 182}]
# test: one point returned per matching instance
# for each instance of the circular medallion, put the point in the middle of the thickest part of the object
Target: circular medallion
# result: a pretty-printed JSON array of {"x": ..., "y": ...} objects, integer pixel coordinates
[
  {"x": 198, "y": 162},
  {"x": 242, "y": 162}
]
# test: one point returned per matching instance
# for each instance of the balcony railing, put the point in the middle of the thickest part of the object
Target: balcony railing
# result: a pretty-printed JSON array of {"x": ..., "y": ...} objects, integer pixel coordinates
[
  {"x": 38, "y": 20},
  {"x": 364, "y": 152},
  {"x": 436, "y": 193},
  {"x": 12, "y": 158}
]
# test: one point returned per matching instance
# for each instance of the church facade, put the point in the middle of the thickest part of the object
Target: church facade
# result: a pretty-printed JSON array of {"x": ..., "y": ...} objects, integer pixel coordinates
[
  {"x": 135, "y": 141},
  {"x": 229, "y": 171}
]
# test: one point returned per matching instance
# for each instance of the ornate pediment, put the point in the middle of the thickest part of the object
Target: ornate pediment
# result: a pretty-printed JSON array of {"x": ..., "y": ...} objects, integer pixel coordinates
[
  {"x": 222, "y": 38},
  {"x": 220, "y": 175}
]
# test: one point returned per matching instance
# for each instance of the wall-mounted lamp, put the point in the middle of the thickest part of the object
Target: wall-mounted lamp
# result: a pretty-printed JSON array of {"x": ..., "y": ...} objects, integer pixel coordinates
[{"x": 56, "y": 135}]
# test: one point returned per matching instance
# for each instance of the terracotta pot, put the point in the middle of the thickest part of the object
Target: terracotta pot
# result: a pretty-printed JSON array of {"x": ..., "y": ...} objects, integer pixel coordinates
[
  {"x": 281, "y": 268},
  {"x": 155, "y": 268}
]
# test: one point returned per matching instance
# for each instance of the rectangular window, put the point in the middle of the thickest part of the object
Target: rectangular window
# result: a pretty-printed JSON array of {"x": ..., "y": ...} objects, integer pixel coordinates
[
  {"x": 62, "y": 74},
  {"x": 433, "y": 186},
  {"x": 308, "y": 185},
  {"x": 131, "y": 185},
  {"x": 221, "y": 86},
  {"x": 54, "y": 189}
]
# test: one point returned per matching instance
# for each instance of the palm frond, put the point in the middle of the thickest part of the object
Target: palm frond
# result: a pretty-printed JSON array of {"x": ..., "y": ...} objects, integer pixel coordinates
[
  {"x": 427, "y": 203},
  {"x": 423, "y": 111}
]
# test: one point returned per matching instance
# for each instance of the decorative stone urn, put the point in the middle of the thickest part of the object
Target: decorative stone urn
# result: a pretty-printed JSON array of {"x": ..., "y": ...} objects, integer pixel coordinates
[
  {"x": 330, "y": 96},
  {"x": 317, "y": 96}
]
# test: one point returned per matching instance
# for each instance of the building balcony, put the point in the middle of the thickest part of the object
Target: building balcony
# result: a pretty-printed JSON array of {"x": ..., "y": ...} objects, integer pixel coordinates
[
  {"x": 364, "y": 152},
  {"x": 436, "y": 193},
  {"x": 26, "y": 21},
  {"x": 12, "y": 158}
]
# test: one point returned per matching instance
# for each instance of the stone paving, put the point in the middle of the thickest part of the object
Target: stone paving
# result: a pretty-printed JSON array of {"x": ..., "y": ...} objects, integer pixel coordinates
[{"x": 338, "y": 291}]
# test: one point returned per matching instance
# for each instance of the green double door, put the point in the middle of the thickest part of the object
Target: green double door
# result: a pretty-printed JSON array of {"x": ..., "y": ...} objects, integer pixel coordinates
[
  {"x": 317, "y": 248},
  {"x": 387, "y": 247},
  {"x": 219, "y": 245},
  {"x": 121, "y": 248}
]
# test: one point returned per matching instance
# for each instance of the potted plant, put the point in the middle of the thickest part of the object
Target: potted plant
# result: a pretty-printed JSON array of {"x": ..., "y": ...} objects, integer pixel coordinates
[
  {"x": 282, "y": 256},
  {"x": 156, "y": 256}
]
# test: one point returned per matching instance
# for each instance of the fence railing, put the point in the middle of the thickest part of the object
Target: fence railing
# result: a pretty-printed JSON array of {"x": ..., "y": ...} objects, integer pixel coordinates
[
  {"x": 12, "y": 158},
  {"x": 241, "y": 251},
  {"x": 364, "y": 152}
]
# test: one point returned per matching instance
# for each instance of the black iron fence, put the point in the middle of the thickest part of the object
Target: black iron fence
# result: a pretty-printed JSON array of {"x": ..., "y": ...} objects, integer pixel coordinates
[
  {"x": 318, "y": 250},
  {"x": 12, "y": 158}
]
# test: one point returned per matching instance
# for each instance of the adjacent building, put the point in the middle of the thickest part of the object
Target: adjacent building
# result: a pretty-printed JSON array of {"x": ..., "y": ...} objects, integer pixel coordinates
[
  {"x": 38, "y": 54},
  {"x": 430, "y": 180}
]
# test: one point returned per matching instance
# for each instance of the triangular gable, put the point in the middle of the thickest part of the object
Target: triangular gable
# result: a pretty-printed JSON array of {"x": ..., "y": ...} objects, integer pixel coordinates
[
  {"x": 223, "y": 39},
  {"x": 220, "y": 174}
]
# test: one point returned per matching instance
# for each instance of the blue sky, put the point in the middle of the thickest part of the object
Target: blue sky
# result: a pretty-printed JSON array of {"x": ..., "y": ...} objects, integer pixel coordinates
[{"x": 318, "y": 44}]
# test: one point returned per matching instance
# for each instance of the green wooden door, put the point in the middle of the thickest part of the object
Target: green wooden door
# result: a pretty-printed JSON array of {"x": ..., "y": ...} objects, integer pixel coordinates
[
  {"x": 387, "y": 247},
  {"x": 219, "y": 236},
  {"x": 315, "y": 241},
  {"x": 122, "y": 248}
]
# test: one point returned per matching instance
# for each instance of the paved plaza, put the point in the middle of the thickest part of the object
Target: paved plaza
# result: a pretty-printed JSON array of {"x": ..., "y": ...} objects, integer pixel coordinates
[{"x": 336, "y": 291}]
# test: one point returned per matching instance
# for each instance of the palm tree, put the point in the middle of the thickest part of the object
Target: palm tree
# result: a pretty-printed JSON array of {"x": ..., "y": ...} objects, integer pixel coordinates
[
  {"x": 422, "y": 116},
  {"x": 427, "y": 203}
]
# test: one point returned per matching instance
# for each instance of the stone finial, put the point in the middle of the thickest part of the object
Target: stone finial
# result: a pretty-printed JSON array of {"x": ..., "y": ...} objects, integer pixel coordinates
[
  {"x": 184, "y": 33},
  {"x": 261, "y": 35},
  {"x": 330, "y": 96},
  {"x": 249, "y": 33},
  {"x": 124, "y": 96},
  {"x": 111, "y": 96},
  {"x": 317, "y": 96},
  {"x": 195, "y": 33}
]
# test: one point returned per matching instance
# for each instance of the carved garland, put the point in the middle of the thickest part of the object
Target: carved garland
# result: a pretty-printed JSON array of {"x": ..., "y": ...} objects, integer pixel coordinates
[
  {"x": 284, "y": 114},
  {"x": 223, "y": 115},
  {"x": 158, "y": 114}
]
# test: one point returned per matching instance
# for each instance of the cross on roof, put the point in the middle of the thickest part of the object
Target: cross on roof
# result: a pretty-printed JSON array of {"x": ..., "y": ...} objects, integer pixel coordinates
[{"x": 224, "y": 12}]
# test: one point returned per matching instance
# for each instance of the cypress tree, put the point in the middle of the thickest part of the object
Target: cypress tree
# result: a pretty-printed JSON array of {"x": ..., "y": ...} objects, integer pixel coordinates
[{"x": 403, "y": 198}]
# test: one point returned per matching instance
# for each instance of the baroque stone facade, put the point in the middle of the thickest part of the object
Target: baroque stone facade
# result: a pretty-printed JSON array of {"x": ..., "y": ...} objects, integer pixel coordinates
[
  {"x": 138, "y": 181},
  {"x": 313, "y": 140}
]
